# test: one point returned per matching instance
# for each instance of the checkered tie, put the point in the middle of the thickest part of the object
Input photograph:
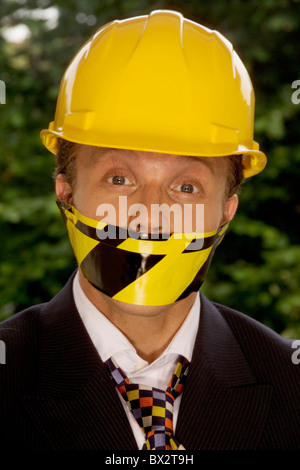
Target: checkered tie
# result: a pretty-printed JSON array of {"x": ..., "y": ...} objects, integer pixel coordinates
[{"x": 152, "y": 407}]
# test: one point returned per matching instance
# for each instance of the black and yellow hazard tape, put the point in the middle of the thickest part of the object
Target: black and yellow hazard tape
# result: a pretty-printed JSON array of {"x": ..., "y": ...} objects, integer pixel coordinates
[{"x": 140, "y": 271}]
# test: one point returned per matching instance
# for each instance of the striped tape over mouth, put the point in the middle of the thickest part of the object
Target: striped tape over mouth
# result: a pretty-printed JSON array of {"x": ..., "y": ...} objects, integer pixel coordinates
[{"x": 139, "y": 271}]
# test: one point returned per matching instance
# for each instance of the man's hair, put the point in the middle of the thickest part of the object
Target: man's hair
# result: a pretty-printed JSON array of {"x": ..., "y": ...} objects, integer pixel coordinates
[
  {"x": 235, "y": 174},
  {"x": 66, "y": 165}
]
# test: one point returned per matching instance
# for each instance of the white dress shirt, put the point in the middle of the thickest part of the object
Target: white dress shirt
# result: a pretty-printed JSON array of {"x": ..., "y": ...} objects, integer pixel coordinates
[{"x": 109, "y": 341}]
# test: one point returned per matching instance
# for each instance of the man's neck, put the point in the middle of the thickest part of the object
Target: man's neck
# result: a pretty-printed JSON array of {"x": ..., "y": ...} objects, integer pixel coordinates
[{"x": 149, "y": 329}]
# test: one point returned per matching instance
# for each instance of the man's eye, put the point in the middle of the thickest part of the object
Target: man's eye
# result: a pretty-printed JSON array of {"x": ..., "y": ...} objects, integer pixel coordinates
[
  {"x": 187, "y": 188},
  {"x": 118, "y": 179}
]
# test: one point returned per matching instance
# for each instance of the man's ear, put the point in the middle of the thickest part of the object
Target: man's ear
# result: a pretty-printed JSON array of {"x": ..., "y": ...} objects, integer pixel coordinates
[
  {"x": 230, "y": 208},
  {"x": 63, "y": 189}
]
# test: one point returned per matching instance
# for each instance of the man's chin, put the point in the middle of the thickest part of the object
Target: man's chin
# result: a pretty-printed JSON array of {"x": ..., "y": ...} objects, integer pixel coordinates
[{"x": 129, "y": 308}]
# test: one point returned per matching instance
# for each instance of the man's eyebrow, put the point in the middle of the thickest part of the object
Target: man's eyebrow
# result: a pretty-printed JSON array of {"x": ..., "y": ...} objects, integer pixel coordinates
[
  {"x": 98, "y": 153},
  {"x": 210, "y": 162}
]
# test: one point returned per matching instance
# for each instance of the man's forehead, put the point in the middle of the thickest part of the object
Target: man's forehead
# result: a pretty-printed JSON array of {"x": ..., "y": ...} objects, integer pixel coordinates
[{"x": 96, "y": 154}]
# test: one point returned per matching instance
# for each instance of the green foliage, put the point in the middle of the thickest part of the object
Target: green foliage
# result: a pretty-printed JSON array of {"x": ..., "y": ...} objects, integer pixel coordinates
[{"x": 257, "y": 267}]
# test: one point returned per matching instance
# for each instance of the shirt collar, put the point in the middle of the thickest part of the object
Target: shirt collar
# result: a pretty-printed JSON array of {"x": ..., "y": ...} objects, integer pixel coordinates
[
  {"x": 106, "y": 337},
  {"x": 111, "y": 342}
]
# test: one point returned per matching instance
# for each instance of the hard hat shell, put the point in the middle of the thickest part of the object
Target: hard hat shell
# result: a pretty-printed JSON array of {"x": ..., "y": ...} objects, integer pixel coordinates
[{"x": 158, "y": 83}]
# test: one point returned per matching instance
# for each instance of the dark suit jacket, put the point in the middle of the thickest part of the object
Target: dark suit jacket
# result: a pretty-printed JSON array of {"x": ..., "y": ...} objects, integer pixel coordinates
[{"x": 242, "y": 390}]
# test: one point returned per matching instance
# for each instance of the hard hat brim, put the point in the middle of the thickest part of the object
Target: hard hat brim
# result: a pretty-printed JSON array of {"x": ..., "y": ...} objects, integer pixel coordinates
[{"x": 254, "y": 160}]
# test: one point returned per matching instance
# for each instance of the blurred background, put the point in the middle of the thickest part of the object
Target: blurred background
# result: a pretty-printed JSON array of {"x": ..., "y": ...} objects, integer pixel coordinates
[{"x": 257, "y": 267}]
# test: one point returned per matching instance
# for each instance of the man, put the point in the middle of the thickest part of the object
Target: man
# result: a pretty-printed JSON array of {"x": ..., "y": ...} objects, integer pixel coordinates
[{"x": 153, "y": 112}]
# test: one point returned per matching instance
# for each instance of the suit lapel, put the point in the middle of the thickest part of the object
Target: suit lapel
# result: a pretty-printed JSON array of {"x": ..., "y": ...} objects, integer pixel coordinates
[
  {"x": 75, "y": 405},
  {"x": 223, "y": 405}
]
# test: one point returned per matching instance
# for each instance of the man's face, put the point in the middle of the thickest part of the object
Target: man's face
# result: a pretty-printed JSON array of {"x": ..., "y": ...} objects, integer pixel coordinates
[{"x": 147, "y": 178}]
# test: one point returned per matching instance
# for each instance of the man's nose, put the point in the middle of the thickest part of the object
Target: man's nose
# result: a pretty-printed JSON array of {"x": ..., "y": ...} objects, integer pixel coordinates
[{"x": 149, "y": 214}]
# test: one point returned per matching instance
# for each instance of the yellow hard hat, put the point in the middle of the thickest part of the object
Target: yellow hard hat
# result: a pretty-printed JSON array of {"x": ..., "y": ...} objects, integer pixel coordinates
[{"x": 158, "y": 83}]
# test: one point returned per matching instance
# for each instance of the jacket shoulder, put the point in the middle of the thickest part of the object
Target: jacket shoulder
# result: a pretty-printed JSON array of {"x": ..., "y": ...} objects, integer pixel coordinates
[
  {"x": 19, "y": 337},
  {"x": 270, "y": 354},
  {"x": 16, "y": 326},
  {"x": 22, "y": 329}
]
